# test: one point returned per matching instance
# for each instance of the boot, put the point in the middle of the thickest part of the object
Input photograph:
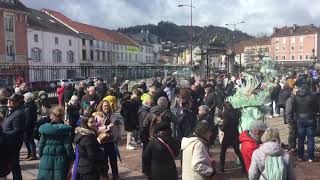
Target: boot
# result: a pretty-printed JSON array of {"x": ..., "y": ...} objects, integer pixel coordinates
[{"x": 28, "y": 156}]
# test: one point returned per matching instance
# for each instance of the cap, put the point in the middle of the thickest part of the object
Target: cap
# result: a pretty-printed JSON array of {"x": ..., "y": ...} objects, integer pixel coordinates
[{"x": 15, "y": 97}]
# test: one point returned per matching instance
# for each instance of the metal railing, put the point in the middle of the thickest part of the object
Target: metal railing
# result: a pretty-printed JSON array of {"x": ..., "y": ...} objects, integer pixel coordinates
[{"x": 50, "y": 73}]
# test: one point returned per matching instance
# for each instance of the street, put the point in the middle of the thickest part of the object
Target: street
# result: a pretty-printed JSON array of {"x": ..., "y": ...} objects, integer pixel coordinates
[{"x": 130, "y": 168}]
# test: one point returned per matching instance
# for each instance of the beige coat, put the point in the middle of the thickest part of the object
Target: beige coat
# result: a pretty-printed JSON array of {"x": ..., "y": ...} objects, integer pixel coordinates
[{"x": 196, "y": 161}]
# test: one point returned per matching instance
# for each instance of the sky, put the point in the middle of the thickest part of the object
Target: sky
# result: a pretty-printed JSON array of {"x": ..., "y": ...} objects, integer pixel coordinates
[{"x": 260, "y": 16}]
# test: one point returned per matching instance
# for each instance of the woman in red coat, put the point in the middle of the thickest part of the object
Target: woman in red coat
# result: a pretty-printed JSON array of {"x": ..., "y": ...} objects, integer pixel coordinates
[{"x": 250, "y": 141}]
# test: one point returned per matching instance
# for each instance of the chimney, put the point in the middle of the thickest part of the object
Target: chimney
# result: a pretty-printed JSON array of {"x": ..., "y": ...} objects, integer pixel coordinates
[
  {"x": 295, "y": 27},
  {"x": 275, "y": 30}
]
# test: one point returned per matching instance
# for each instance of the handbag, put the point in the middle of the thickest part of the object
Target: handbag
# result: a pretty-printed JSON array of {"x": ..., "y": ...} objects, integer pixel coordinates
[{"x": 103, "y": 137}]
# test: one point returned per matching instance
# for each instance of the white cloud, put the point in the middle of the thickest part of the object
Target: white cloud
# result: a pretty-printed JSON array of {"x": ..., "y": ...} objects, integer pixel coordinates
[{"x": 260, "y": 15}]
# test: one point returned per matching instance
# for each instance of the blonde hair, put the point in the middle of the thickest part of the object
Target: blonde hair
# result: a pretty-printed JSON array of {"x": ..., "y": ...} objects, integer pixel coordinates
[
  {"x": 271, "y": 135},
  {"x": 58, "y": 112},
  {"x": 98, "y": 114}
]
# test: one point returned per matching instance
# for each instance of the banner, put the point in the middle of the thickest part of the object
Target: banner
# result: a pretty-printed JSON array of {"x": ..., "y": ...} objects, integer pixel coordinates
[{"x": 133, "y": 49}]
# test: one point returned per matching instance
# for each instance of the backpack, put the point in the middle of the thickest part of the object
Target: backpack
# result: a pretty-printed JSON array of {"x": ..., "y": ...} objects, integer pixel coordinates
[
  {"x": 275, "y": 168},
  {"x": 155, "y": 120}
]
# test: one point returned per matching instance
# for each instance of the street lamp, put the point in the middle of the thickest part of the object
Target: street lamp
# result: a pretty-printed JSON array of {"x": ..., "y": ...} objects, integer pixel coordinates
[{"x": 191, "y": 7}]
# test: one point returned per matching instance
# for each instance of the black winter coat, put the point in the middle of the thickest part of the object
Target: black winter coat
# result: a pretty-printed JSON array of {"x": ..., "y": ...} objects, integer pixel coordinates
[
  {"x": 30, "y": 116},
  {"x": 305, "y": 103},
  {"x": 5, "y": 160},
  {"x": 14, "y": 126},
  {"x": 186, "y": 121},
  {"x": 129, "y": 112},
  {"x": 68, "y": 92},
  {"x": 90, "y": 154},
  {"x": 73, "y": 114},
  {"x": 102, "y": 91},
  {"x": 283, "y": 96},
  {"x": 230, "y": 125},
  {"x": 157, "y": 161},
  {"x": 165, "y": 113},
  {"x": 275, "y": 92},
  {"x": 145, "y": 117},
  {"x": 211, "y": 101}
]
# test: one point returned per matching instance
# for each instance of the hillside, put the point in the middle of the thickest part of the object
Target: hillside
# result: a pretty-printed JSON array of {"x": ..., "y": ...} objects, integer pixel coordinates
[{"x": 168, "y": 31}]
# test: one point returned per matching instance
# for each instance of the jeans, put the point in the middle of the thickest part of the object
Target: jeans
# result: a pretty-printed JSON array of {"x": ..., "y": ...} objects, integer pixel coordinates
[
  {"x": 30, "y": 145},
  {"x": 277, "y": 109},
  {"x": 224, "y": 147},
  {"x": 306, "y": 127}
]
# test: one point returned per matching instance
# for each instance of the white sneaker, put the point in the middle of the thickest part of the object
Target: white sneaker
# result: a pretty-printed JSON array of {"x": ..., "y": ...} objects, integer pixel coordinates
[
  {"x": 269, "y": 116},
  {"x": 276, "y": 115},
  {"x": 130, "y": 147}
]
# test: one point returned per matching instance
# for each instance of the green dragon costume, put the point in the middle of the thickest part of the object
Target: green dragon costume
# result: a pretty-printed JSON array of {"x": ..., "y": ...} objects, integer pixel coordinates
[{"x": 253, "y": 103}]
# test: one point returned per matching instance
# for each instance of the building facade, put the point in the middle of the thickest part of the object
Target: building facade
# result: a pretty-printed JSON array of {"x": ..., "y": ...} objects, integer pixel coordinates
[
  {"x": 100, "y": 46},
  {"x": 295, "y": 43},
  {"x": 13, "y": 38},
  {"x": 51, "y": 44}
]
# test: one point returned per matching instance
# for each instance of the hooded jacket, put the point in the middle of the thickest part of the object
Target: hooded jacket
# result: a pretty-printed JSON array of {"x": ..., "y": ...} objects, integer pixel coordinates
[
  {"x": 248, "y": 145},
  {"x": 196, "y": 161},
  {"x": 90, "y": 155},
  {"x": 55, "y": 150},
  {"x": 259, "y": 157}
]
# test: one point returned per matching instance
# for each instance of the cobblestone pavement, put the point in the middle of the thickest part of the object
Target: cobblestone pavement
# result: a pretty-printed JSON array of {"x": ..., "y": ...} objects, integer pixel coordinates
[{"x": 130, "y": 169}]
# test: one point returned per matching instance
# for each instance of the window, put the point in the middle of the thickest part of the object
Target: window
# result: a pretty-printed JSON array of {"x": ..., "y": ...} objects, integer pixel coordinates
[
  {"x": 36, "y": 54},
  {"x": 307, "y": 57},
  {"x": 91, "y": 42},
  {"x": 301, "y": 39},
  {"x": 283, "y": 57},
  {"x": 121, "y": 57},
  {"x": 98, "y": 55},
  {"x": 9, "y": 23},
  {"x": 70, "y": 57},
  {"x": 300, "y": 57},
  {"x": 129, "y": 56},
  {"x": 277, "y": 49},
  {"x": 56, "y": 40},
  {"x": 292, "y": 48},
  {"x": 56, "y": 56},
  {"x": 10, "y": 48},
  {"x": 83, "y": 42},
  {"x": 293, "y": 40},
  {"x": 126, "y": 56},
  {"x": 277, "y": 58},
  {"x": 277, "y": 41},
  {"x": 70, "y": 42},
  {"x": 35, "y": 38},
  {"x": 300, "y": 48},
  {"x": 136, "y": 57},
  {"x": 91, "y": 55},
  {"x": 108, "y": 56},
  {"x": 283, "y": 48},
  {"x": 284, "y": 40},
  {"x": 292, "y": 57},
  {"x": 103, "y": 56},
  {"x": 84, "y": 54},
  {"x": 103, "y": 45}
]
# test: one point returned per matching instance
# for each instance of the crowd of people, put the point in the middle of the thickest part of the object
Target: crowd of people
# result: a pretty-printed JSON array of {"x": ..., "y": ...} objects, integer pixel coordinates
[{"x": 79, "y": 138}]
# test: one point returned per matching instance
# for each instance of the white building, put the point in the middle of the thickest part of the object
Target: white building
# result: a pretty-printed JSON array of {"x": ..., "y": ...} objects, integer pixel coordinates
[{"x": 51, "y": 44}]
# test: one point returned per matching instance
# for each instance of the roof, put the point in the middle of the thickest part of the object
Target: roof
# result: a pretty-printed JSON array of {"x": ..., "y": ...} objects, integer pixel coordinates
[
  {"x": 138, "y": 41},
  {"x": 40, "y": 20},
  {"x": 295, "y": 30},
  {"x": 97, "y": 32},
  {"x": 239, "y": 47},
  {"x": 17, "y": 6}
]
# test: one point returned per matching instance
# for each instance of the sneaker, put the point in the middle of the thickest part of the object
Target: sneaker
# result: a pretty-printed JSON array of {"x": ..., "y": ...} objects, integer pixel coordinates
[
  {"x": 310, "y": 160},
  {"x": 29, "y": 155},
  {"x": 130, "y": 147},
  {"x": 269, "y": 116},
  {"x": 276, "y": 115}
]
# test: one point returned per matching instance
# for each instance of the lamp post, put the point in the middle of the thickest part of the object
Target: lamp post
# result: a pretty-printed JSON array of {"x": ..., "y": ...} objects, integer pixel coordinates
[{"x": 191, "y": 33}]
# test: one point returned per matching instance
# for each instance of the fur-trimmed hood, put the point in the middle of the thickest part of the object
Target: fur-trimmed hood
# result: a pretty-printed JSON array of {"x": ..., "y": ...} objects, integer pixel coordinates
[{"x": 83, "y": 131}]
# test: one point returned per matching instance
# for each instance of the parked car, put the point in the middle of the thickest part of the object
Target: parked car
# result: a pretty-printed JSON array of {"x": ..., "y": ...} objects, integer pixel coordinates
[
  {"x": 184, "y": 73},
  {"x": 39, "y": 86}
]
